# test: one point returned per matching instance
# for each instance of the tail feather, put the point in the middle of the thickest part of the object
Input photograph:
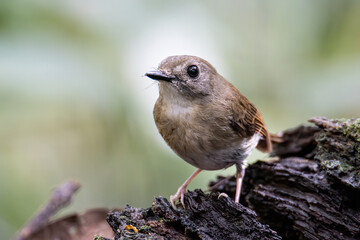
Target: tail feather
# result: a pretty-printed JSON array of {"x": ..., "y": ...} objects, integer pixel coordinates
[{"x": 265, "y": 145}]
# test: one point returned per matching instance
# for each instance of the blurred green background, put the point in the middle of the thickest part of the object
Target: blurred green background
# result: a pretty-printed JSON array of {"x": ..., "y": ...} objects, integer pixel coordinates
[{"x": 74, "y": 102}]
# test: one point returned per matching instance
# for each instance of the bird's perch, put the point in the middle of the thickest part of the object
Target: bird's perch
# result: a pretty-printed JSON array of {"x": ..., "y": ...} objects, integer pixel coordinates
[{"x": 312, "y": 191}]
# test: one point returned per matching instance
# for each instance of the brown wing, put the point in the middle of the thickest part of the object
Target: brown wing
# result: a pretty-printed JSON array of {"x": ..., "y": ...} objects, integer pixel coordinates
[{"x": 247, "y": 121}]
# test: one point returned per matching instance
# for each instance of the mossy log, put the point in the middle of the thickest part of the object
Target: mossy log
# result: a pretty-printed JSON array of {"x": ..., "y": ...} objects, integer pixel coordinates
[
  {"x": 206, "y": 216},
  {"x": 312, "y": 191}
]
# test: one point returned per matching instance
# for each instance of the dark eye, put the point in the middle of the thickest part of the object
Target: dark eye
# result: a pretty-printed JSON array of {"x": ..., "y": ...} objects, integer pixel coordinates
[{"x": 193, "y": 71}]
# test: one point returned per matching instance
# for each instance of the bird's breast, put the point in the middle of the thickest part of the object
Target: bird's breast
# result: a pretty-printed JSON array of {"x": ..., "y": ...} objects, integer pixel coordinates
[
  {"x": 179, "y": 126},
  {"x": 201, "y": 137}
]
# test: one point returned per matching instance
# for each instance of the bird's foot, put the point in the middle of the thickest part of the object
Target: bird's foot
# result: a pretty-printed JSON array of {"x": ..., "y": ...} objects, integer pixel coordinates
[{"x": 178, "y": 195}]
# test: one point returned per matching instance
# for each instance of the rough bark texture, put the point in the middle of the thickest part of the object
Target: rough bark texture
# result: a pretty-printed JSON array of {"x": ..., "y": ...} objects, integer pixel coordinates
[
  {"x": 311, "y": 192},
  {"x": 204, "y": 217}
]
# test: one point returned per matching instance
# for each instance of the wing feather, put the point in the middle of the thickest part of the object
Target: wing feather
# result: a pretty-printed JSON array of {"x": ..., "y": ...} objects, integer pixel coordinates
[{"x": 247, "y": 121}]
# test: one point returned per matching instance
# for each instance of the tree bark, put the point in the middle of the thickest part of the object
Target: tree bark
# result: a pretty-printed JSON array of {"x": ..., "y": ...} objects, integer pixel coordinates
[
  {"x": 312, "y": 191},
  {"x": 309, "y": 190},
  {"x": 206, "y": 216}
]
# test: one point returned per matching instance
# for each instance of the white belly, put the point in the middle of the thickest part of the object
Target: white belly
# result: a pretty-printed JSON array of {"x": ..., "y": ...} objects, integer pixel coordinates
[{"x": 219, "y": 159}]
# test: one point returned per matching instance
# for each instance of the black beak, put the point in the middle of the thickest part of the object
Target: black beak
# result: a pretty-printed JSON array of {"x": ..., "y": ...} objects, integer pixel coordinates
[{"x": 157, "y": 75}]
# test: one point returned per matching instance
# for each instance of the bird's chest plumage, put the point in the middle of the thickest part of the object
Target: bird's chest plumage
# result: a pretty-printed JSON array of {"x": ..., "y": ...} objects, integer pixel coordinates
[
  {"x": 180, "y": 127},
  {"x": 201, "y": 137}
]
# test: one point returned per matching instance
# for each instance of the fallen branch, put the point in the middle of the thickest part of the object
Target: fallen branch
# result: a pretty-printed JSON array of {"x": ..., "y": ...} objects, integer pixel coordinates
[{"x": 60, "y": 198}]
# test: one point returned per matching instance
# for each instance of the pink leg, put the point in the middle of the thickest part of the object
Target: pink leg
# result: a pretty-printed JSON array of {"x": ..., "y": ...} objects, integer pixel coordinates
[
  {"x": 182, "y": 189},
  {"x": 240, "y": 172}
]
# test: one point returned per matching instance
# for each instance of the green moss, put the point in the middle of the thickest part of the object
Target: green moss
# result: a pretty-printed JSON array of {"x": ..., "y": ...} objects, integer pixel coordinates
[
  {"x": 144, "y": 229},
  {"x": 338, "y": 150},
  {"x": 335, "y": 157},
  {"x": 126, "y": 219},
  {"x": 337, "y": 165},
  {"x": 330, "y": 164},
  {"x": 351, "y": 128},
  {"x": 343, "y": 167}
]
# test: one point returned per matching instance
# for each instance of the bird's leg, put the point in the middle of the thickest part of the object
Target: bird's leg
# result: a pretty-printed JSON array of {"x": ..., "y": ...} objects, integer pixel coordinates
[
  {"x": 240, "y": 173},
  {"x": 182, "y": 189}
]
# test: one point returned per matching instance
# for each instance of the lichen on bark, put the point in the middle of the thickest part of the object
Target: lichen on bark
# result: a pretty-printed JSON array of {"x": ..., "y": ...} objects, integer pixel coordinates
[{"x": 338, "y": 149}]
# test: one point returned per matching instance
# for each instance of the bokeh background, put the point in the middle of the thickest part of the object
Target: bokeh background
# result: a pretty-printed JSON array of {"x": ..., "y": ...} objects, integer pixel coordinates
[{"x": 74, "y": 102}]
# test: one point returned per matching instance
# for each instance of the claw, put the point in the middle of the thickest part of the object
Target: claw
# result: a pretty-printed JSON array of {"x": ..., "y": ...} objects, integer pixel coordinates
[
  {"x": 222, "y": 195},
  {"x": 182, "y": 190},
  {"x": 178, "y": 195}
]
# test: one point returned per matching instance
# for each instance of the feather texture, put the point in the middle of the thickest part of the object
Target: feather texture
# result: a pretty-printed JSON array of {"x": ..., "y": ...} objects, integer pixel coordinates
[{"x": 249, "y": 121}]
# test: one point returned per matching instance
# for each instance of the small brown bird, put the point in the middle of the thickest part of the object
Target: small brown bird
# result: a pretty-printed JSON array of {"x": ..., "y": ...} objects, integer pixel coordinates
[{"x": 205, "y": 120}]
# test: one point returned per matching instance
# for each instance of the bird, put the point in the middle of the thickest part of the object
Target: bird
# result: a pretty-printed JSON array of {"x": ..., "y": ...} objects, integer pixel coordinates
[{"x": 205, "y": 119}]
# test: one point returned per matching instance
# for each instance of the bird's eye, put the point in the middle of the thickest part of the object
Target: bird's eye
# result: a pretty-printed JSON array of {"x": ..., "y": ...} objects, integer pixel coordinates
[{"x": 193, "y": 71}]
